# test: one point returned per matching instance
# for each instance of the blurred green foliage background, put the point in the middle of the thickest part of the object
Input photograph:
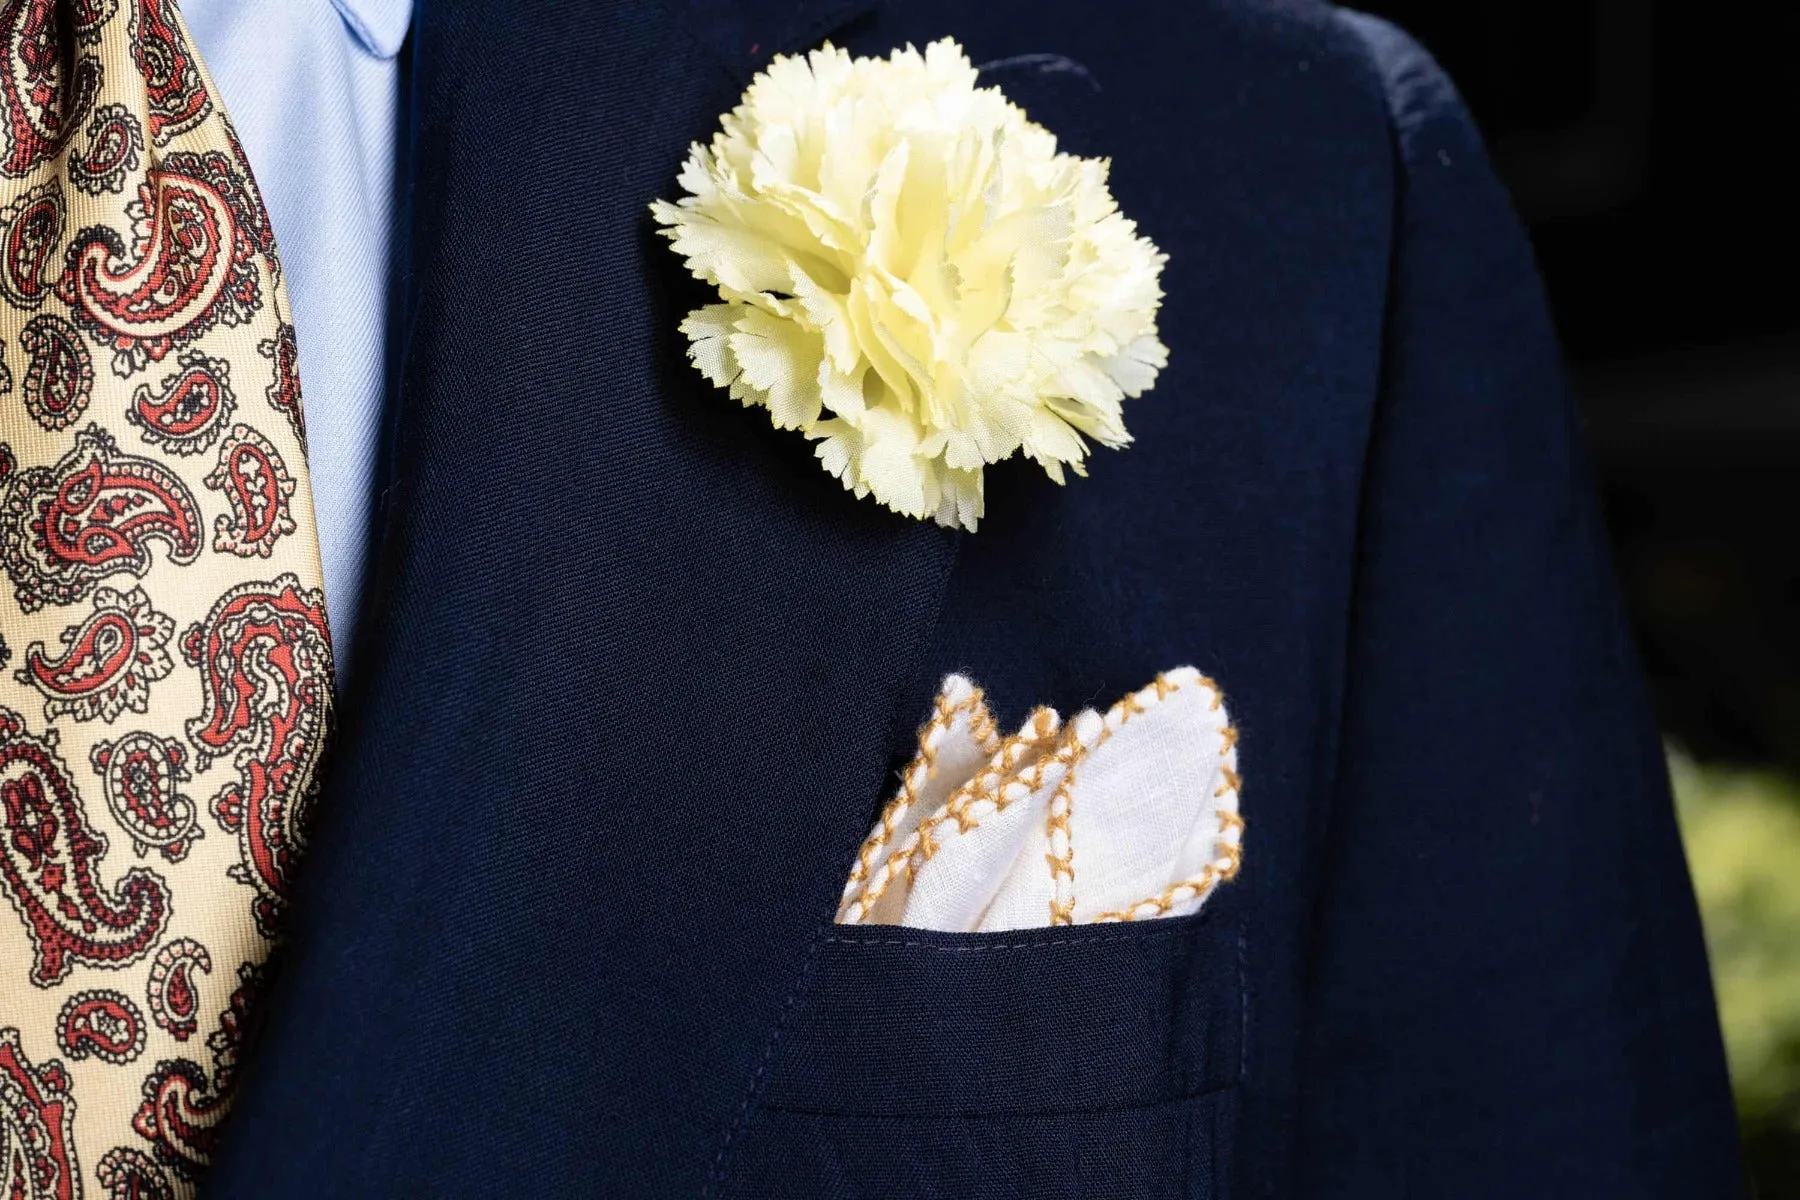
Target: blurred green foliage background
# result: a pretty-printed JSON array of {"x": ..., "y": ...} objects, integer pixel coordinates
[{"x": 1742, "y": 829}]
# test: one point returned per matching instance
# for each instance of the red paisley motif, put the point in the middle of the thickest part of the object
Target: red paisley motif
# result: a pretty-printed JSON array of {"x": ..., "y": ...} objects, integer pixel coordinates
[
  {"x": 37, "y": 1135},
  {"x": 31, "y": 230},
  {"x": 48, "y": 856},
  {"x": 180, "y": 1116},
  {"x": 191, "y": 265},
  {"x": 181, "y": 1112},
  {"x": 115, "y": 146},
  {"x": 284, "y": 393},
  {"x": 109, "y": 660},
  {"x": 142, "y": 776},
  {"x": 189, "y": 413},
  {"x": 251, "y": 211},
  {"x": 45, "y": 88},
  {"x": 129, "y": 1174},
  {"x": 173, "y": 998},
  {"x": 264, "y": 655},
  {"x": 178, "y": 99},
  {"x": 60, "y": 381},
  {"x": 258, "y": 487},
  {"x": 100, "y": 1023},
  {"x": 227, "y": 1041},
  {"x": 90, "y": 15},
  {"x": 64, "y": 528}
]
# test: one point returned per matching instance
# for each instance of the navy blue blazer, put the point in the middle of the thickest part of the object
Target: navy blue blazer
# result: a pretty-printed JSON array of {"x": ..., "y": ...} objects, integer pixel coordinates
[{"x": 637, "y": 675}]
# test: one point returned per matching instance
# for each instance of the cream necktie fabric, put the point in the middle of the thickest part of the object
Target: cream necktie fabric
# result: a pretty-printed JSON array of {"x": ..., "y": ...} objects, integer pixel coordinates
[{"x": 166, "y": 691}]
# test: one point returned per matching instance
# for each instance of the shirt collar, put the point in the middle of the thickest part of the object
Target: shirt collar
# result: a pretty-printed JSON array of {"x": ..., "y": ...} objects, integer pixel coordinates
[{"x": 380, "y": 25}]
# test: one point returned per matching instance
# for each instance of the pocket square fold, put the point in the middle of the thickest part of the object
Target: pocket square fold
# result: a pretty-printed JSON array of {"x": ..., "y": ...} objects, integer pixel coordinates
[{"x": 1115, "y": 816}]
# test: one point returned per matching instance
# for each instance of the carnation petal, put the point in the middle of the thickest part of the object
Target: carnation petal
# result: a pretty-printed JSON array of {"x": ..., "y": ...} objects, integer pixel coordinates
[
  {"x": 826, "y": 312},
  {"x": 696, "y": 175},
  {"x": 780, "y": 359},
  {"x": 1053, "y": 441},
  {"x": 838, "y": 392},
  {"x": 731, "y": 256},
  {"x": 959, "y": 500},
  {"x": 709, "y": 332},
  {"x": 839, "y": 449},
  {"x": 1135, "y": 368}
]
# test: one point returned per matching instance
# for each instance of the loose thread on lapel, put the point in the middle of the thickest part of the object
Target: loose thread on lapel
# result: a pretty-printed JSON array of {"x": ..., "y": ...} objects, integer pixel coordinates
[{"x": 1046, "y": 64}]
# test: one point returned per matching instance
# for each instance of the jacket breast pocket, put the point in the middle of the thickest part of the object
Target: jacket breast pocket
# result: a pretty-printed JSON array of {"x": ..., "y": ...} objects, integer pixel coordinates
[{"x": 1090, "y": 1061}]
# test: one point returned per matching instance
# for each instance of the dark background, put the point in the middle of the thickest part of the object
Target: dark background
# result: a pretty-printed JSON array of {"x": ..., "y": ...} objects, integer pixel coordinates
[{"x": 1650, "y": 148}]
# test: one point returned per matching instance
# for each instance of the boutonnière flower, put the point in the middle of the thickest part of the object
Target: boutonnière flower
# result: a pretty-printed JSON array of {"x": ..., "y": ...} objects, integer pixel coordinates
[{"x": 912, "y": 275}]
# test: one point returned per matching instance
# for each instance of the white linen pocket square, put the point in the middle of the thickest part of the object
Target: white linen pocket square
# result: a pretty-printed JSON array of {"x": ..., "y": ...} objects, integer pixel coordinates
[{"x": 1118, "y": 816}]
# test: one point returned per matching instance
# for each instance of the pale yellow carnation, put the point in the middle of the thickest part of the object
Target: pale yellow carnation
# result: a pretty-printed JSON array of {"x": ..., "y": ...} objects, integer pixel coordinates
[{"x": 914, "y": 277}]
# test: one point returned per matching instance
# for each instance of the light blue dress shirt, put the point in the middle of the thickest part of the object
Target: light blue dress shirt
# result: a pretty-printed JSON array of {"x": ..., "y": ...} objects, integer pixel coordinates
[{"x": 313, "y": 87}]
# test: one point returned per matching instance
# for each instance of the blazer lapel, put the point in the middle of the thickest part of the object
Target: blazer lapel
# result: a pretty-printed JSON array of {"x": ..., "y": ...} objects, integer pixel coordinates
[{"x": 635, "y": 666}]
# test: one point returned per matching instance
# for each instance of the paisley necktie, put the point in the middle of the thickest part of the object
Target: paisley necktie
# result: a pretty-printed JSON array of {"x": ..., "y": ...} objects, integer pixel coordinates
[{"x": 166, "y": 684}]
